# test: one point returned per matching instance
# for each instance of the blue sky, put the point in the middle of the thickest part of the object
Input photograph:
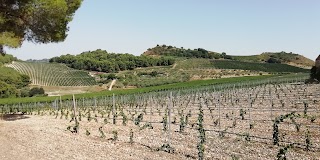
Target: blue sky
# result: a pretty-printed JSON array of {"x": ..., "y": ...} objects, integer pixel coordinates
[{"x": 237, "y": 27}]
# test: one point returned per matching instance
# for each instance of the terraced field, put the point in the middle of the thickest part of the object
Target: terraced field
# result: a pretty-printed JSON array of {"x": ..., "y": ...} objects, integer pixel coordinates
[{"x": 48, "y": 74}]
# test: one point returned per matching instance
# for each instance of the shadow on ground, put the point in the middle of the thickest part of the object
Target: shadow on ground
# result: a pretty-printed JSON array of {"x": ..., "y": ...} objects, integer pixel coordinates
[{"x": 13, "y": 117}]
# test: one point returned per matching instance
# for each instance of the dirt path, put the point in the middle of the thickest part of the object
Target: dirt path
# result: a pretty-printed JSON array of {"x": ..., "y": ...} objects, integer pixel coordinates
[
  {"x": 112, "y": 83},
  {"x": 174, "y": 66},
  {"x": 37, "y": 137}
]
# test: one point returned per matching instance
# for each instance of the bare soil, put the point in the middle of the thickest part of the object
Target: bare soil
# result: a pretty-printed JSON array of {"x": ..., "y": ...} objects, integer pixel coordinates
[
  {"x": 62, "y": 90},
  {"x": 36, "y": 137},
  {"x": 47, "y": 137}
]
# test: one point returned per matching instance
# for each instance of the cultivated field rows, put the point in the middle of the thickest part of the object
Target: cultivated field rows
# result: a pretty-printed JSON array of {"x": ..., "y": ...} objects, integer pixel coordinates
[
  {"x": 245, "y": 123},
  {"x": 48, "y": 74}
]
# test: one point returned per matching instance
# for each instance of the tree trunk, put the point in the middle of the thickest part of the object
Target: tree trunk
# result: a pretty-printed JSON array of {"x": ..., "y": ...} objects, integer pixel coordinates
[{"x": 1, "y": 50}]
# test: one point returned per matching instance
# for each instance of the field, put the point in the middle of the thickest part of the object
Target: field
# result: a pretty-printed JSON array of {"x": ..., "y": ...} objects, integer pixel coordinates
[
  {"x": 199, "y": 69},
  {"x": 283, "y": 57},
  {"x": 226, "y": 121},
  {"x": 253, "y": 80},
  {"x": 264, "y": 67},
  {"x": 49, "y": 74}
]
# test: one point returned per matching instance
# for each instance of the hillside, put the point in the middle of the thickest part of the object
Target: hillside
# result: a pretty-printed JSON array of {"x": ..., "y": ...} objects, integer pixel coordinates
[
  {"x": 189, "y": 69},
  {"x": 154, "y": 67},
  {"x": 254, "y": 66},
  {"x": 277, "y": 57},
  {"x": 165, "y": 50},
  {"x": 47, "y": 74},
  {"x": 266, "y": 57}
]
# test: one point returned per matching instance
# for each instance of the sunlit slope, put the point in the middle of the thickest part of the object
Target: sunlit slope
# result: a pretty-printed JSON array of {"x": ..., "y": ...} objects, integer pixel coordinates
[{"x": 49, "y": 74}]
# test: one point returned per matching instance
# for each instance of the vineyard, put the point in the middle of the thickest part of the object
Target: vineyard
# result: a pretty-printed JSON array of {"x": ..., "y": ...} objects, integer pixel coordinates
[
  {"x": 201, "y": 68},
  {"x": 264, "y": 120},
  {"x": 48, "y": 74},
  {"x": 265, "y": 67}
]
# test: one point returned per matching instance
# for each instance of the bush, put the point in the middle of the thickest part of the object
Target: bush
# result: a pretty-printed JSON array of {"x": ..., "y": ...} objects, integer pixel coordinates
[
  {"x": 273, "y": 60},
  {"x": 25, "y": 92},
  {"x": 36, "y": 92},
  {"x": 112, "y": 76}
]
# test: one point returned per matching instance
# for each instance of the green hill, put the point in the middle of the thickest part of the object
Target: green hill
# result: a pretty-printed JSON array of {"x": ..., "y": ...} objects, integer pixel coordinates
[
  {"x": 202, "y": 63},
  {"x": 277, "y": 57},
  {"x": 48, "y": 74},
  {"x": 266, "y": 57},
  {"x": 165, "y": 50},
  {"x": 254, "y": 66}
]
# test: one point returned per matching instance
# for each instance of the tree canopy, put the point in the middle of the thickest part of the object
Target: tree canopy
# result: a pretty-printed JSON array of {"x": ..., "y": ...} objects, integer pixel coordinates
[
  {"x": 12, "y": 82},
  {"x": 102, "y": 61},
  {"x": 7, "y": 59},
  {"x": 165, "y": 50},
  {"x": 38, "y": 21}
]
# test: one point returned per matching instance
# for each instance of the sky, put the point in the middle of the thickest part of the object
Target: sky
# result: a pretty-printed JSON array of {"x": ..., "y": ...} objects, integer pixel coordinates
[{"x": 237, "y": 27}]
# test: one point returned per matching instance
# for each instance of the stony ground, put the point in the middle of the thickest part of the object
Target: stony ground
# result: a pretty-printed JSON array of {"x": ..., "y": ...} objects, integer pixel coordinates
[
  {"x": 35, "y": 137},
  {"x": 44, "y": 137}
]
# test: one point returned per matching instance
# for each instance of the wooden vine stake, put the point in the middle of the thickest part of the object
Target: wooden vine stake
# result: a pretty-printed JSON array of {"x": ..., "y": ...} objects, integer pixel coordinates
[
  {"x": 113, "y": 104},
  {"x": 219, "y": 109},
  {"x": 60, "y": 103},
  {"x": 74, "y": 109},
  {"x": 169, "y": 117}
]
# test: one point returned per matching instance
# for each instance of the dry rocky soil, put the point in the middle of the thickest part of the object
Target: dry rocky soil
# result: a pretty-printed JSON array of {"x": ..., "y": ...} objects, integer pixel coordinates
[{"x": 44, "y": 137}]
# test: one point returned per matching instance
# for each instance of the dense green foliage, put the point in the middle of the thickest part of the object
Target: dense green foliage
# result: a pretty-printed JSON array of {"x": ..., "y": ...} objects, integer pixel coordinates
[
  {"x": 102, "y": 61},
  {"x": 6, "y": 59},
  {"x": 36, "y": 91},
  {"x": 181, "y": 52},
  {"x": 12, "y": 82},
  {"x": 48, "y": 74},
  {"x": 39, "y": 21},
  {"x": 265, "y": 67}
]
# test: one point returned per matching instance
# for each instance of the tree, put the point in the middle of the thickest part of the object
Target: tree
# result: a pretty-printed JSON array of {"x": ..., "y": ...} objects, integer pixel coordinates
[
  {"x": 223, "y": 54},
  {"x": 112, "y": 76},
  {"x": 38, "y": 21},
  {"x": 24, "y": 92},
  {"x": 273, "y": 60},
  {"x": 154, "y": 73},
  {"x": 36, "y": 91},
  {"x": 7, "y": 90}
]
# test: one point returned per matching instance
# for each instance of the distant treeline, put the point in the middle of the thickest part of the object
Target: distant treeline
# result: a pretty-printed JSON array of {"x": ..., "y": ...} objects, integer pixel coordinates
[
  {"x": 165, "y": 50},
  {"x": 102, "y": 61},
  {"x": 38, "y": 60}
]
